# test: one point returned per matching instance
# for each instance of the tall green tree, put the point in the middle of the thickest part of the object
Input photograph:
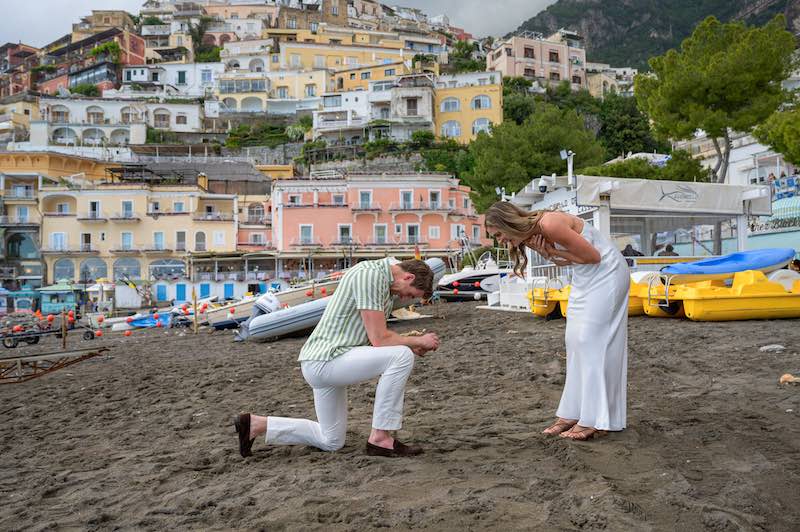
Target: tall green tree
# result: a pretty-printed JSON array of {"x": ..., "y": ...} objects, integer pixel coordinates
[
  {"x": 623, "y": 128},
  {"x": 781, "y": 132},
  {"x": 726, "y": 77},
  {"x": 515, "y": 154},
  {"x": 461, "y": 58}
]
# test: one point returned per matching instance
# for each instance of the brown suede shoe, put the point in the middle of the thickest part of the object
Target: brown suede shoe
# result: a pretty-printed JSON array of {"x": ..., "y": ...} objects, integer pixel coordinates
[
  {"x": 242, "y": 425},
  {"x": 399, "y": 449}
]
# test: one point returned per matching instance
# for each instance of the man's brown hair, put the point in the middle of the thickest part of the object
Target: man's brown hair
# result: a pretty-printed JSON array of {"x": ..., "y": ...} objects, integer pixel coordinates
[{"x": 423, "y": 275}]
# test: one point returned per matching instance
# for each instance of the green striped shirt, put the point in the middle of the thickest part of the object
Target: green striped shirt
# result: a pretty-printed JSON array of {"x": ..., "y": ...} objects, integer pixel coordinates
[{"x": 365, "y": 286}]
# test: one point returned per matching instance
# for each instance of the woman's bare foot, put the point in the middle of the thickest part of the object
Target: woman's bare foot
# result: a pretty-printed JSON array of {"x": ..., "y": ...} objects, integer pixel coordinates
[
  {"x": 559, "y": 426},
  {"x": 579, "y": 433}
]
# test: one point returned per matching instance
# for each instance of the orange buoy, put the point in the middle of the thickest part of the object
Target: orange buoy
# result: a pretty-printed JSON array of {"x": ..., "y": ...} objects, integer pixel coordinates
[
  {"x": 71, "y": 319},
  {"x": 232, "y": 310},
  {"x": 129, "y": 320},
  {"x": 455, "y": 291},
  {"x": 98, "y": 333},
  {"x": 456, "y": 284},
  {"x": 155, "y": 316},
  {"x": 17, "y": 328},
  {"x": 50, "y": 318},
  {"x": 100, "y": 319},
  {"x": 159, "y": 324},
  {"x": 323, "y": 290},
  {"x": 477, "y": 284},
  {"x": 128, "y": 333},
  {"x": 309, "y": 293}
]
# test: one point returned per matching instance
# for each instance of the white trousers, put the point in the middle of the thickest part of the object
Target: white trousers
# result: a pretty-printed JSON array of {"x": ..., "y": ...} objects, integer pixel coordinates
[{"x": 330, "y": 379}]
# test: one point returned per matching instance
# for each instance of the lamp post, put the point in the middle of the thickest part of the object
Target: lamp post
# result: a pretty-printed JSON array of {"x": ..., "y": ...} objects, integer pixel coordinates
[{"x": 568, "y": 155}]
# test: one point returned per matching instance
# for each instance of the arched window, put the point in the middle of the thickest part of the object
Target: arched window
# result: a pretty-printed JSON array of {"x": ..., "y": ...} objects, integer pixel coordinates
[
  {"x": 127, "y": 268},
  {"x": 65, "y": 136},
  {"x": 93, "y": 137},
  {"x": 451, "y": 129},
  {"x": 481, "y": 102},
  {"x": 161, "y": 118},
  {"x": 480, "y": 125},
  {"x": 167, "y": 269},
  {"x": 256, "y": 65},
  {"x": 450, "y": 105},
  {"x": 64, "y": 269},
  {"x": 92, "y": 269},
  {"x": 59, "y": 114},
  {"x": 94, "y": 114},
  {"x": 255, "y": 213},
  {"x": 128, "y": 115},
  {"x": 200, "y": 241}
]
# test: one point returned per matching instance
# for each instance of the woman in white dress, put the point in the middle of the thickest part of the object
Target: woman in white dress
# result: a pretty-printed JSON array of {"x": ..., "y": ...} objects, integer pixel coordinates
[{"x": 593, "y": 400}]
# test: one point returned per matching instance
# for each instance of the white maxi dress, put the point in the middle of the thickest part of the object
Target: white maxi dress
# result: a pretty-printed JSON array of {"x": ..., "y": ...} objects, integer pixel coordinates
[{"x": 597, "y": 339}]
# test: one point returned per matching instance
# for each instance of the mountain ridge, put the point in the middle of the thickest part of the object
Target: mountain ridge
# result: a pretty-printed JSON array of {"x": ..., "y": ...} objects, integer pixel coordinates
[{"x": 629, "y": 32}]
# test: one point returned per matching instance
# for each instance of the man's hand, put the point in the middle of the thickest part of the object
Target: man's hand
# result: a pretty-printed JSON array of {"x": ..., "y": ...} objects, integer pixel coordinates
[{"x": 428, "y": 342}]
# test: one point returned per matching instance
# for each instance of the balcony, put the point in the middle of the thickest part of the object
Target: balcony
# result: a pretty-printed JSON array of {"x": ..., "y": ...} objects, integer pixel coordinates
[
  {"x": 213, "y": 217},
  {"x": 346, "y": 242},
  {"x": 92, "y": 216},
  {"x": 12, "y": 221},
  {"x": 417, "y": 206},
  {"x": 307, "y": 242},
  {"x": 366, "y": 206},
  {"x": 156, "y": 248},
  {"x": 19, "y": 196},
  {"x": 255, "y": 245},
  {"x": 64, "y": 249},
  {"x": 59, "y": 214},
  {"x": 256, "y": 220},
  {"x": 125, "y": 217},
  {"x": 357, "y": 122},
  {"x": 8, "y": 272},
  {"x": 157, "y": 213},
  {"x": 155, "y": 29},
  {"x": 127, "y": 249}
]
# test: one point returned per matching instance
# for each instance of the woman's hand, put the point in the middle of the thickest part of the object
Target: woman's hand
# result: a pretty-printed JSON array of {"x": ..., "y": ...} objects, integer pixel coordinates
[{"x": 540, "y": 245}]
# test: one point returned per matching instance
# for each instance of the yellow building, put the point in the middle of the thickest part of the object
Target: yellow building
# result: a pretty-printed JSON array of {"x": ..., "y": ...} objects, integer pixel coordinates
[
  {"x": 351, "y": 79},
  {"x": 279, "y": 92},
  {"x": 16, "y": 113},
  {"x": 336, "y": 35},
  {"x": 139, "y": 230},
  {"x": 466, "y": 104},
  {"x": 276, "y": 171},
  {"x": 298, "y": 56}
]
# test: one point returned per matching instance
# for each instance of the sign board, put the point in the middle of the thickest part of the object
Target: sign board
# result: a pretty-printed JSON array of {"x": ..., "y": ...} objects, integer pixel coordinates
[
  {"x": 673, "y": 196},
  {"x": 564, "y": 200}
]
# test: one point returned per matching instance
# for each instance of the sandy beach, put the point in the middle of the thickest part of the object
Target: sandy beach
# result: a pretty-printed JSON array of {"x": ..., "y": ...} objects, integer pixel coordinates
[{"x": 141, "y": 439}]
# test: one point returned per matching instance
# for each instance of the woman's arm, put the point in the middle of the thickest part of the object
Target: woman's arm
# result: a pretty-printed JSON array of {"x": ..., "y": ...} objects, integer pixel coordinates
[{"x": 578, "y": 250}]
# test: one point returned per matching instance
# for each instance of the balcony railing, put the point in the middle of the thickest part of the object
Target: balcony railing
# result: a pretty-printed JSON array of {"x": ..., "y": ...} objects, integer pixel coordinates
[
  {"x": 82, "y": 248},
  {"x": 307, "y": 242},
  {"x": 125, "y": 216},
  {"x": 165, "y": 213},
  {"x": 213, "y": 217},
  {"x": 366, "y": 206},
  {"x": 256, "y": 245},
  {"x": 436, "y": 206},
  {"x": 59, "y": 213},
  {"x": 17, "y": 220},
  {"x": 18, "y": 195},
  {"x": 256, "y": 220},
  {"x": 157, "y": 248},
  {"x": 92, "y": 216},
  {"x": 346, "y": 241},
  {"x": 127, "y": 248},
  {"x": 155, "y": 29},
  {"x": 339, "y": 124},
  {"x": 8, "y": 272}
]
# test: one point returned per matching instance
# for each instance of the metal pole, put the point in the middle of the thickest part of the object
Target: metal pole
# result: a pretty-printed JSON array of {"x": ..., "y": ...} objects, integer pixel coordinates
[
  {"x": 194, "y": 304},
  {"x": 63, "y": 330}
]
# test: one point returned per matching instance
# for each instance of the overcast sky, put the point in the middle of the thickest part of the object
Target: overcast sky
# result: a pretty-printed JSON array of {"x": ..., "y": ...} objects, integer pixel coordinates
[{"x": 38, "y": 22}]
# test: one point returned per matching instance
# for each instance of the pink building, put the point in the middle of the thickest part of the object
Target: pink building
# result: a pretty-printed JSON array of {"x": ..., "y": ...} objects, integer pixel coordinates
[
  {"x": 547, "y": 60},
  {"x": 335, "y": 221}
]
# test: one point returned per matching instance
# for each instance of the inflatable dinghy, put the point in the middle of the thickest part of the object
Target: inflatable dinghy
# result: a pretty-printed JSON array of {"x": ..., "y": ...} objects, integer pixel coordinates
[
  {"x": 271, "y": 319},
  {"x": 721, "y": 268}
]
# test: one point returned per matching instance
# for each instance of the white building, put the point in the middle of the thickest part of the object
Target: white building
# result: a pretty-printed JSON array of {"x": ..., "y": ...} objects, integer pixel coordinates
[
  {"x": 389, "y": 109},
  {"x": 106, "y": 122},
  {"x": 168, "y": 80}
]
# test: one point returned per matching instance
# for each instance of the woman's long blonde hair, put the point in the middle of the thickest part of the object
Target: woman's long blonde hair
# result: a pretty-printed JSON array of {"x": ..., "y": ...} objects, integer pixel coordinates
[{"x": 516, "y": 223}]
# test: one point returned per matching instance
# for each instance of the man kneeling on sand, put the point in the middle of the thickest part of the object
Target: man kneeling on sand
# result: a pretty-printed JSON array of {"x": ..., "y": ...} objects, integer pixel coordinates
[{"x": 351, "y": 344}]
